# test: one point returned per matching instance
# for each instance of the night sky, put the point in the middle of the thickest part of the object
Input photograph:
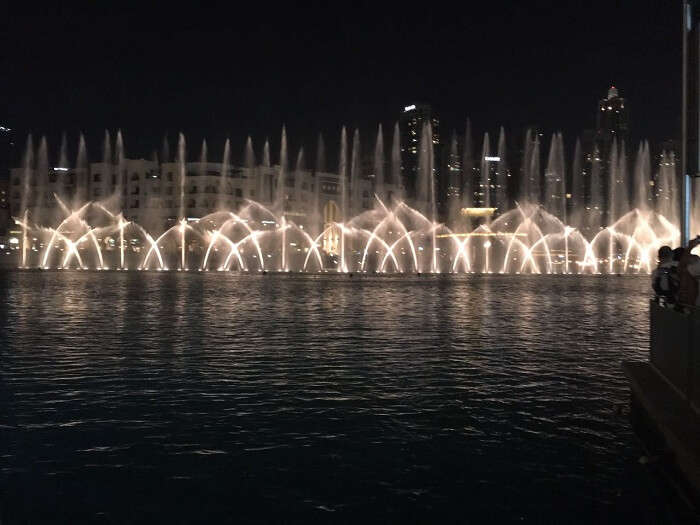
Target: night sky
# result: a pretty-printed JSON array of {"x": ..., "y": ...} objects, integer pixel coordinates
[{"x": 232, "y": 71}]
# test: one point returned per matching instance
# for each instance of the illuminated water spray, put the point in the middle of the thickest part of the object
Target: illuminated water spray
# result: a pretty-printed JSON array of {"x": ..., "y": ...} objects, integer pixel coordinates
[
  {"x": 122, "y": 225},
  {"x": 283, "y": 267},
  {"x": 487, "y": 246},
  {"x": 345, "y": 234},
  {"x": 183, "y": 227},
  {"x": 24, "y": 239}
]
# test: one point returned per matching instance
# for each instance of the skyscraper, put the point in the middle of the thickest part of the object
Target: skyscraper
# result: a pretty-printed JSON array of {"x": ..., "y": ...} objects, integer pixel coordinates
[
  {"x": 411, "y": 124},
  {"x": 611, "y": 130},
  {"x": 611, "y": 121},
  {"x": 7, "y": 157},
  {"x": 7, "y": 151}
]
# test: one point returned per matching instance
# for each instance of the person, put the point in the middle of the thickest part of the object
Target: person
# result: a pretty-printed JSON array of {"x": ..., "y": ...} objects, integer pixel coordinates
[
  {"x": 689, "y": 275},
  {"x": 665, "y": 278}
]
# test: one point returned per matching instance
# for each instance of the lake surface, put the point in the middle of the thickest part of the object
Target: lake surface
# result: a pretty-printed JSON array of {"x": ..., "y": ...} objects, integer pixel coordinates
[{"x": 137, "y": 397}]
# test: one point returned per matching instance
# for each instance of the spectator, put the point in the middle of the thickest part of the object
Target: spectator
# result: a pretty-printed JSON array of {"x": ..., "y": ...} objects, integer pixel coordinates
[
  {"x": 665, "y": 279},
  {"x": 689, "y": 274}
]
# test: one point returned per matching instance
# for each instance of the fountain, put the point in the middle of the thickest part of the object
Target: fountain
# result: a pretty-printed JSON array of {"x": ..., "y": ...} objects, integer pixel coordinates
[{"x": 299, "y": 221}]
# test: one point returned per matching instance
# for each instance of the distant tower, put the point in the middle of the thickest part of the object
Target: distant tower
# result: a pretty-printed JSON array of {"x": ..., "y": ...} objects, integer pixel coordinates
[
  {"x": 611, "y": 127},
  {"x": 411, "y": 124},
  {"x": 611, "y": 121},
  {"x": 7, "y": 151},
  {"x": 7, "y": 157}
]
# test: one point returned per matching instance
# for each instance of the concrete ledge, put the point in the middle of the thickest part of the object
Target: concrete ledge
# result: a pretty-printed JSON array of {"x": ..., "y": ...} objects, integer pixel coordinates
[{"x": 671, "y": 414}]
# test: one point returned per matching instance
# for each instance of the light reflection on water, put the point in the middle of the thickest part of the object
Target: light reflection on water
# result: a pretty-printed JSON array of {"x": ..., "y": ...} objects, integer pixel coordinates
[{"x": 184, "y": 396}]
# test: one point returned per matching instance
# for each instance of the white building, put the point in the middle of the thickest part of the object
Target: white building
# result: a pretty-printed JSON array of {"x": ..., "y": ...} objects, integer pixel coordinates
[{"x": 155, "y": 195}]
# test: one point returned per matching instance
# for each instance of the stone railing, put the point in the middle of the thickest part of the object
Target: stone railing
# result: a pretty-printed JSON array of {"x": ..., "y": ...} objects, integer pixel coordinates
[{"x": 675, "y": 348}]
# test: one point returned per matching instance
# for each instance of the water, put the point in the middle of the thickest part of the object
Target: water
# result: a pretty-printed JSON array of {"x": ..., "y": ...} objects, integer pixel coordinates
[
  {"x": 192, "y": 397},
  {"x": 606, "y": 232}
]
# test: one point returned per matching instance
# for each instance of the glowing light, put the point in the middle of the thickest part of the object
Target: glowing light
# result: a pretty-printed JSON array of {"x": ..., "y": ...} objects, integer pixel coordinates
[
  {"x": 409, "y": 108},
  {"x": 481, "y": 234},
  {"x": 526, "y": 239},
  {"x": 478, "y": 212}
]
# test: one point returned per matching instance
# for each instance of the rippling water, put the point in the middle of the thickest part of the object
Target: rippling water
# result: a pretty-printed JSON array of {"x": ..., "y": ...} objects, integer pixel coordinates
[{"x": 196, "y": 397}]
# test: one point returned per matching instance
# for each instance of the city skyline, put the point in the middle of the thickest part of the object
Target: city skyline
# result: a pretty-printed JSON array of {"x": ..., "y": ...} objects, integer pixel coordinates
[
  {"x": 470, "y": 172},
  {"x": 63, "y": 145}
]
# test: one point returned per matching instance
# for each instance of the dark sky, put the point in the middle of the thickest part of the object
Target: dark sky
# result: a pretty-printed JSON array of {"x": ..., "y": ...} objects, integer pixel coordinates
[{"x": 235, "y": 70}]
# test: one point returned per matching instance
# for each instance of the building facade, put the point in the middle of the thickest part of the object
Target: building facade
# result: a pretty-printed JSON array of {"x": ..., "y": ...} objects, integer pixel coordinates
[
  {"x": 411, "y": 123},
  {"x": 157, "y": 195}
]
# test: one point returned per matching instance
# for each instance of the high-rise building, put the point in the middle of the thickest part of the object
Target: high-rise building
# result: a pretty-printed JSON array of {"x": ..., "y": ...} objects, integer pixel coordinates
[
  {"x": 611, "y": 128},
  {"x": 411, "y": 123},
  {"x": 7, "y": 154},
  {"x": 611, "y": 121},
  {"x": 7, "y": 151}
]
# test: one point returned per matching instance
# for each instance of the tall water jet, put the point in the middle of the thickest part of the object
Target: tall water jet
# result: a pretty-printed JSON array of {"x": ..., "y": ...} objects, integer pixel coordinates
[
  {"x": 203, "y": 157},
  {"x": 108, "y": 159},
  {"x": 41, "y": 171},
  {"x": 182, "y": 179},
  {"x": 433, "y": 199},
  {"x": 107, "y": 149},
  {"x": 27, "y": 173},
  {"x": 63, "y": 152},
  {"x": 299, "y": 170},
  {"x": 501, "y": 176},
  {"x": 524, "y": 180},
  {"x": 454, "y": 182},
  {"x": 396, "y": 162},
  {"x": 202, "y": 172},
  {"x": 642, "y": 176},
  {"x": 426, "y": 186},
  {"x": 281, "y": 196},
  {"x": 249, "y": 154},
  {"x": 535, "y": 172},
  {"x": 615, "y": 189},
  {"x": 316, "y": 210},
  {"x": 267, "y": 181},
  {"x": 484, "y": 188},
  {"x": 320, "y": 154},
  {"x": 122, "y": 245},
  {"x": 120, "y": 188},
  {"x": 165, "y": 149},
  {"x": 562, "y": 189},
  {"x": 622, "y": 192},
  {"x": 555, "y": 192},
  {"x": 81, "y": 173},
  {"x": 470, "y": 185},
  {"x": 342, "y": 172},
  {"x": 647, "y": 173},
  {"x": 613, "y": 195},
  {"x": 379, "y": 164},
  {"x": 423, "y": 175},
  {"x": 355, "y": 174},
  {"x": 266, "y": 154},
  {"x": 577, "y": 185},
  {"x": 595, "y": 200},
  {"x": 253, "y": 170},
  {"x": 224, "y": 173},
  {"x": 667, "y": 195},
  {"x": 300, "y": 165},
  {"x": 282, "y": 173}
]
